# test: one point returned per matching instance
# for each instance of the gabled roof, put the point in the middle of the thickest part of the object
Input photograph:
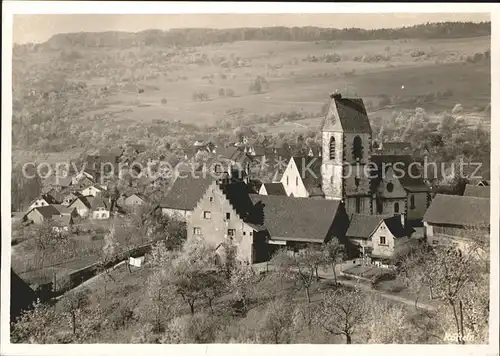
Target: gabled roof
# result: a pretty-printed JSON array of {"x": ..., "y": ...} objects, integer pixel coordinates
[
  {"x": 46, "y": 211},
  {"x": 351, "y": 114},
  {"x": 63, "y": 220},
  {"x": 275, "y": 189},
  {"x": 97, "y": 202},
  {"x": 295, "y": 219},
  {"x": 458, "y": 210},
  {"x": 477, "y": 191},
  {"x": 63, "y": 209},
  {"x": 409, "y": 176},
  {"x": 363, "y": 226},
  {"x": 310, "y": 172},
  {"x": 186, "y": 192}
]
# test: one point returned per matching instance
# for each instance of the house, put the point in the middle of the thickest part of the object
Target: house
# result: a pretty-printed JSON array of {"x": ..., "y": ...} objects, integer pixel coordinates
[
  {"x": 302, "y": 177},
  {"x": 83, "y": 179},
  {"x": 92, "y": 190},
  {"x": 43, "y": 200},
  {"x": 456, "y": 220},
  {"x": 134, "y": 200},
  {"x": 272, "y": 189},
  {"x": 69, "y": 198},
  {"x": 62, "y": 223},
  {"x": 378, "y": 236},
  {"x": 184, "y": 195},
  {"x": 295, "y": 223},
  {"x": 480, "y": 191},
  {"x": 398, "y": 187},
  {"x": 216, "y": 220},
  {"x": 95, "y": 207},
  {"x": 258, "y": 225},
  {"x": 82, "y": 205},
  {"x": 40, "y": 214},
  {"x": 99, "y": 207}
]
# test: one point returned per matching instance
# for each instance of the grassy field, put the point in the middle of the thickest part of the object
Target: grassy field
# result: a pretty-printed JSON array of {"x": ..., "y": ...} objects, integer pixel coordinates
[{"x": 298, "y": 85}]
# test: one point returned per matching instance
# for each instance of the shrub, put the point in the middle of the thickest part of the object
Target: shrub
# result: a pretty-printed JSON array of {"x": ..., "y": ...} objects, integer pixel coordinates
[
  {"x": 140, "y": 91},
  {"x": 163, "y": 101},
  {"x": 229, "y": 92},
  {"x": 222, "y": 92}
]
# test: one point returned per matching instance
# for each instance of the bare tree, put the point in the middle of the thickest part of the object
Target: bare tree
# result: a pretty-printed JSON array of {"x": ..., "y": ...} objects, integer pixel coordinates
[
  {"x": 300, "y": 268},
  {"x": 278, "y": 320},
  {"x": 457, "y": 279},
  {"x": 334, "y": 254},
  {"x": 342, "y": 311}
]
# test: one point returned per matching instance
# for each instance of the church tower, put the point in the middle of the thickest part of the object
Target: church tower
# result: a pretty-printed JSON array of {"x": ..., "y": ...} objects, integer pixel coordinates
[{"x": 346, "y": 152}]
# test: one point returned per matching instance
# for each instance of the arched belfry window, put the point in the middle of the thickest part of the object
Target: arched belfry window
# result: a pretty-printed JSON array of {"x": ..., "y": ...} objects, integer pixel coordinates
[
  {"x": 332, "y": 147},
  {"x": 357, "y": 148}
]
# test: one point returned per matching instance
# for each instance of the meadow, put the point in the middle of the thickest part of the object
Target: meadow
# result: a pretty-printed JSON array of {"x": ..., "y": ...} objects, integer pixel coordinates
[{"x": 295, "y": 84}]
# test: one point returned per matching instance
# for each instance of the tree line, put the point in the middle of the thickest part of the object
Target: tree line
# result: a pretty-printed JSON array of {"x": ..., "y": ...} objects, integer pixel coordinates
[{"x": 205, "y": 36}]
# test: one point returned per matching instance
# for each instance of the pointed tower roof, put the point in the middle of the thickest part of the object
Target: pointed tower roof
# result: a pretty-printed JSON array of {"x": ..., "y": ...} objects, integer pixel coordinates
[{"x": 346, "y": 115}]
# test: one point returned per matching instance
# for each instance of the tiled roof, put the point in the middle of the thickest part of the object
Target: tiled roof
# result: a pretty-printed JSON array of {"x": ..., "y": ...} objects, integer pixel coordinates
[
  {"x": 397, "y": 229},
  {"x": 47, "y": 211},
  {"x": 477, "y": 191},
  {"x": 363, "y": 226},
  {"x": 352, "y": 115},
  {"x": 409, "y": 176},
  {"x": 458, "y": 210},
  {"x": 63, "y": 209},
  {"x": 186, "y": 192},
  {"x": 310, "y": 171},
  {"x": 287, "y": 218},
  {"x": 63, "y": 219},
  {"x": 275, "y": 189}
]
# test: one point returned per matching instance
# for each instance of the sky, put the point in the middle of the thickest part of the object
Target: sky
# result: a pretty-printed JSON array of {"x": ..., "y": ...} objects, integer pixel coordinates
[{"x": 39, "y": 28}]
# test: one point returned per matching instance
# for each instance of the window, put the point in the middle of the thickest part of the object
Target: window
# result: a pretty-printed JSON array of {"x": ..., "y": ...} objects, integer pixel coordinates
[
  {"x": 251, "y": 233},
  {"x": 382, "y": 240},
  {"x": 287, "y": 180},
  {"x": 207, "y": 215},
  {"x": 331, "y": 180},
  {"x": 357, "y": 148},
  {"x": 396, "y": 208},
  {"x": 197, "y": 231},
  {"x": 358, "y": 205},
  {"x": 332, "y": 148},
  {"x": 211, "y": 199},
  {"x": 357, "y": 180},
  {"x": 412, "y": 202},
  {"x": 231, "y": 232},
  {"x": 228, "y": 216},
  {"x": 244, "y": 233},
  {"x": 380, "y": 207},
  {"x": 390, "y": 187},
  {"x": 296, "y": 181}
]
